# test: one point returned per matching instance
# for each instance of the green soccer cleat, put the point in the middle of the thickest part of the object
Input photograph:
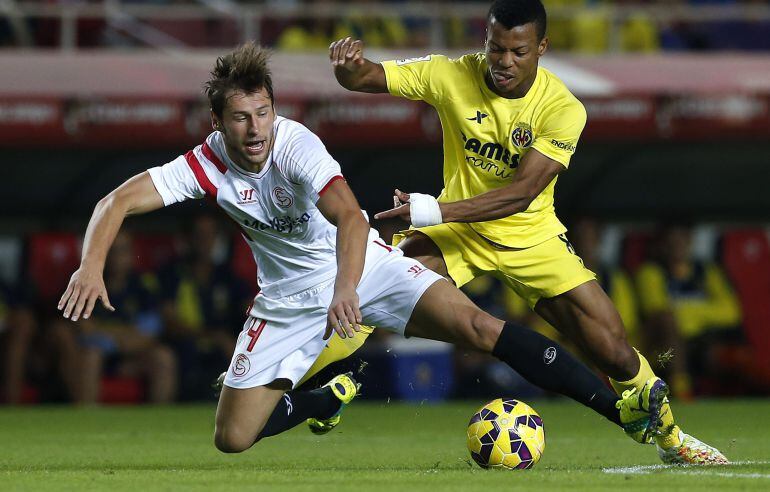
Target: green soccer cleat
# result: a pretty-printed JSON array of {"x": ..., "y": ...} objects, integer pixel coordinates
[
  {"x": 345, "y": 388},
  {"x": 692, "y": 451},
  {"x": 640, "y": 411}
]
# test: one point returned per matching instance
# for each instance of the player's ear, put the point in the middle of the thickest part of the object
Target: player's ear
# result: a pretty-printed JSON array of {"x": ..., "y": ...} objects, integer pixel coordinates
[
  {"x": 543, "y": 46},
  {"x": 215, "y": 123}
]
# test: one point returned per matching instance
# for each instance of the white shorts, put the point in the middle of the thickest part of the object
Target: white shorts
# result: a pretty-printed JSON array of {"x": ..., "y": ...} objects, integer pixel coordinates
[{"x": 282, "y": 337}]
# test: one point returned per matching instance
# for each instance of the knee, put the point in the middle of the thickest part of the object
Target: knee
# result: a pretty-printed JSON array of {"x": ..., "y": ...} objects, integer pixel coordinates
[
  {"x": 483, "y": 331},
  {"x": 228, "y": 440}
]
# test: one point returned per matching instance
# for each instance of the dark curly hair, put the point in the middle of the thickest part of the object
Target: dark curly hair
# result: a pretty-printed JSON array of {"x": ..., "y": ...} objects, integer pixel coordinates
[{"x": 512, "y": 13}]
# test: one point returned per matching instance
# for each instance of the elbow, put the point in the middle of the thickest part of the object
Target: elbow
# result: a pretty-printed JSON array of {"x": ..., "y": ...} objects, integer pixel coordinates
[
  {"x": 105, "y": 203},
  {"x": 114, "y": 202},
  {"x": 353, "y": 219}
]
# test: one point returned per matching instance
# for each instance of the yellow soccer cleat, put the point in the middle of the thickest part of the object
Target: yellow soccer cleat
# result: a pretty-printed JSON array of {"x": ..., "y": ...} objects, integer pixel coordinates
[
  {"x": 692, "y": 451},
  {"x": 640, "y": 411},
  {"x": 345, "y": 388}
]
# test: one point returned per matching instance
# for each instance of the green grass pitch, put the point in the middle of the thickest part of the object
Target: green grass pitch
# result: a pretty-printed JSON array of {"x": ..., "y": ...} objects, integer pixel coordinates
[{"x": 378, "y": 446}]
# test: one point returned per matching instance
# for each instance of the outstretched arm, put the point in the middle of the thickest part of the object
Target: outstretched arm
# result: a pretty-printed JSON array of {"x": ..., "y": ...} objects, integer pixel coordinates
[
  {"x": 353, "y": 71},
  {"x": 535, "y": 172},
  {"x": 136, "y": 196},
  {"x": 340, "y": 207}
]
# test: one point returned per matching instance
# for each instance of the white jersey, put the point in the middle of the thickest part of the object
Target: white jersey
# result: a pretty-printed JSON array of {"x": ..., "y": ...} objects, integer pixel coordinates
[{"x": 292, "y": 242}]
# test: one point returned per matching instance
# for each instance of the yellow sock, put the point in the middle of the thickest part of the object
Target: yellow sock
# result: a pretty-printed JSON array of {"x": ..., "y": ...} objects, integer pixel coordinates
[
  {"x": 670, "y": 437},
  {"x": 337, "y": 349}
]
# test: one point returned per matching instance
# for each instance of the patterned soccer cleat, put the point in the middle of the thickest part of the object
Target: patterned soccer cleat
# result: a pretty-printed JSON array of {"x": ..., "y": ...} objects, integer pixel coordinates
[
  {"x": 692, "y": 451},
  {"x": 345, "y": 388},
  {"x": 640, "y": 410}
]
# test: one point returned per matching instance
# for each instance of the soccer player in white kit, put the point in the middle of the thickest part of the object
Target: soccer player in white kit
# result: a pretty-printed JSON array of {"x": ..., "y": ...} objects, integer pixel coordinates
[{"x": 321, "y": 267}]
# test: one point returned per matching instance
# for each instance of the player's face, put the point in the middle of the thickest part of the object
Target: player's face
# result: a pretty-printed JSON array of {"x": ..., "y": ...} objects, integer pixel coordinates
[
  {"x": 247, "y": 126},
  {"x": 512, "y": 56}
]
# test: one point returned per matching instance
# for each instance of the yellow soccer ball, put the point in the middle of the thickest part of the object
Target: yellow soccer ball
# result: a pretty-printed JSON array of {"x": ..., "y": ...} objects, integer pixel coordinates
[{"x": 506, "y": 434}]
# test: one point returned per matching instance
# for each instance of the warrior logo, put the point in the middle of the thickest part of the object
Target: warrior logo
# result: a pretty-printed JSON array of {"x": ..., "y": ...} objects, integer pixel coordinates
[{"x": 246, "y": 196}]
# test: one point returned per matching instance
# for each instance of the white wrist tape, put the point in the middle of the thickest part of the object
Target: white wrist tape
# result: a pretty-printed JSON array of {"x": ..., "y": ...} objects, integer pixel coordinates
[{"x": 424, "y": 210}]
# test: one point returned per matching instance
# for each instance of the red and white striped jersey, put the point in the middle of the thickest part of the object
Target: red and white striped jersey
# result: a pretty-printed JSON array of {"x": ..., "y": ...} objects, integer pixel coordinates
[{"x": 292, "y": 242}]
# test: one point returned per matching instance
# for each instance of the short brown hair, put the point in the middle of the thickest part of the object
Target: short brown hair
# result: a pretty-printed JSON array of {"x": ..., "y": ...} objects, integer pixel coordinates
[{"x": 244, "y": 69}]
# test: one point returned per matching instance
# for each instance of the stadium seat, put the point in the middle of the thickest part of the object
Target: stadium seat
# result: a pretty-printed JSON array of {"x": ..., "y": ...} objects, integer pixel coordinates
[
  {"x": 122, "y": 390},
  {"x": 636, "y": 250},
  {"x": 52, "y": 258},
  {"x": 746, "y": 258},
  {"x": 30, "y": 395}
]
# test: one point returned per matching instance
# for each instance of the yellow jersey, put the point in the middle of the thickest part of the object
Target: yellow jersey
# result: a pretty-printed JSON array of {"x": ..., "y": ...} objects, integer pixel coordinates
[
  {"x": 485, "y": 135},
  {"x": 701, "y": 299}
]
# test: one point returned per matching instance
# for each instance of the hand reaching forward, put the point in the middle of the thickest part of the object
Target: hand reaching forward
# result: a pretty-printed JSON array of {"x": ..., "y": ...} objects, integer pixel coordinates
[
  {"x": 344, "y": 315},
  {"x": 401, "y": 208},
  {"x": 347, "y": 53},
  {"x": 84, "y": 288}
]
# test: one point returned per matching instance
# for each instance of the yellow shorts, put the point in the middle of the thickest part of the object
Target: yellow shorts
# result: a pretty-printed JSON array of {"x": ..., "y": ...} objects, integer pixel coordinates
[{"x": 542, "y": 271}]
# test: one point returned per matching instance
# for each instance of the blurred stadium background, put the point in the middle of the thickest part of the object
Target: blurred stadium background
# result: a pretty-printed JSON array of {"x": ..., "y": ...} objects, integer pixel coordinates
[{"x": 666, "y": 198}]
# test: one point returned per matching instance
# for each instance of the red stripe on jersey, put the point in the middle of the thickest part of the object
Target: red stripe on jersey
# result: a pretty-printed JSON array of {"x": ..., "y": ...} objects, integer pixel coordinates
[
  {"x": 200, "y": 175},
  {"x": 383, "y": 245},
  {"x": 211, "y": 156},
  {"x": 329, "y": 183}
]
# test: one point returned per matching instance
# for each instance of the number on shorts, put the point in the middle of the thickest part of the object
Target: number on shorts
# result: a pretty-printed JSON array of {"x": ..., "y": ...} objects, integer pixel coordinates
[{"x": 255, "y": 332}]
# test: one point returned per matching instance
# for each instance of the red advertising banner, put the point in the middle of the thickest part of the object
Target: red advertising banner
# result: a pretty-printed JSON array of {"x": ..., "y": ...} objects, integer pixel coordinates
[{"x": 351, "y": 122}]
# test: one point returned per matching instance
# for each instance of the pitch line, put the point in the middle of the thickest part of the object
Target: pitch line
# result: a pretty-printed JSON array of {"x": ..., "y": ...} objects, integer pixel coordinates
[{"x": 690, "y": 470}]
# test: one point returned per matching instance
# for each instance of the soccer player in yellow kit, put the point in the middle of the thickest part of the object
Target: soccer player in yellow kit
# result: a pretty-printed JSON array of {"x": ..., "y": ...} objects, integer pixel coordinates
[{"x": 510, "y": 127}]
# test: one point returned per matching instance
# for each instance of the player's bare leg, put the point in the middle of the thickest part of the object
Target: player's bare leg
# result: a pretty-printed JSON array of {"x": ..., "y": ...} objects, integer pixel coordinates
[
  {"x": 242, "y": 413},
  {"x": 417, "y": 246},
  {"x": 587, "y": 316},
  {"x": 422, "y": 248},
  {"x": 445, "y": 313},
  {"x": 245, "y": 416}
]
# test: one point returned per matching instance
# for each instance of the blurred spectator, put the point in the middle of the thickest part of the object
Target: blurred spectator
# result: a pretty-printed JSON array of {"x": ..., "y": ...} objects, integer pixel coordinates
[
  {"x": 589, "y": 31},
  {"x": 586, "y": 26},
  {"x": 688, "y": 306},
  {"x": 639, "y": 34},
  {"x": 31, "y": 353},
  {"x": 378, "y": 32},
  {"x": 317, "y": 33},
  {"x": 310, "y": 33},
  {"x": 127, "y": 340},
  {"x": 203, "y": 308}
]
